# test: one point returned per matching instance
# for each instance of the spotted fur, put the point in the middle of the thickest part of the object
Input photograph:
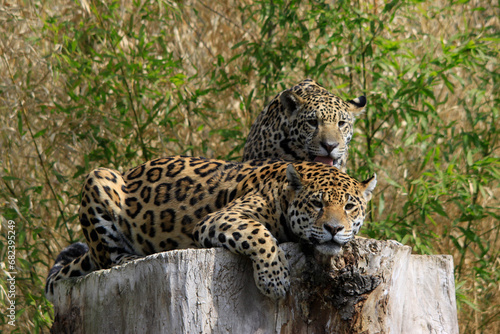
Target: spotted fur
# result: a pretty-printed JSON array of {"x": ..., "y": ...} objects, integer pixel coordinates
[
  {"x": 305, "y": 123},
  {"x": 247, "y": 208}
]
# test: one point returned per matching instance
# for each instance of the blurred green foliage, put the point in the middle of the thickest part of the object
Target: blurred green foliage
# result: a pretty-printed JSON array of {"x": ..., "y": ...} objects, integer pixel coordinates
[{"x": 126, "y": 86}]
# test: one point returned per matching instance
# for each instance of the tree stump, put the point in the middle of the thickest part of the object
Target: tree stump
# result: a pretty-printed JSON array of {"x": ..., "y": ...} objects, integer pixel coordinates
[{"x": 370, "y": 287}]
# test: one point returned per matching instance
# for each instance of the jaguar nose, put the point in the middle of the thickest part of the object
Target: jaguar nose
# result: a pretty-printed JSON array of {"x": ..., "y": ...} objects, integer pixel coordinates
[
  {"x": 334, "y": 229},
  {"x": 329, "y": 147}
]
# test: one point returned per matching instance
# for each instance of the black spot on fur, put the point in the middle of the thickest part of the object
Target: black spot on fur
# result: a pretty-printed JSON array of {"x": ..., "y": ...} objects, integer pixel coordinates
[
  {"x": 153, "y": 174},
  {"x": 162, "y": 193},
  {"x": 167, "y": 220},
  {"x": 186, "y": 220},
  {"x": 134, "y": 207},
  {"x": 221, "y": 199},
  {"x": 174, "y": 168},
  {"x": 182, "y": 187},
  {"x": 134, "y": 186},
  {"x": 93, "y": 236},
  {"x": 146, "y": 194},
  {"x": 136, "y": 172}
]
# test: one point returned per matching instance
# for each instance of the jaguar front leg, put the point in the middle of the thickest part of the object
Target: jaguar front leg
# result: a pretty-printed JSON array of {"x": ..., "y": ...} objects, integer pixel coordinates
[{"x": 236, "y": 231}]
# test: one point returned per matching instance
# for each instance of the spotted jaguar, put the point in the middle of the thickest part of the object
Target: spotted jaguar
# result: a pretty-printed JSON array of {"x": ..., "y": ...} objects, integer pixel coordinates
[
  {"x": 305, "y": 123},
  {"x": 184, "y": 202}
]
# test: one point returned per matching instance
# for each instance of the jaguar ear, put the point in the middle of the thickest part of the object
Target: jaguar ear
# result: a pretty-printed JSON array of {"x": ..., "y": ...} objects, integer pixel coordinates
[
  {"x": 291, "y": 102},
  {"x": 357, "y": 106},
  {"x": 368, "y": 187},
  {"x": 294, "y": 178}
]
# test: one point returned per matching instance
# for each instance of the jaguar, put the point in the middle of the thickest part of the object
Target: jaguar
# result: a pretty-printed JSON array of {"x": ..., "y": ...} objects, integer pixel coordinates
[
  {"x": 305, "y": 123},
  {"x": 248, "y": 208}
]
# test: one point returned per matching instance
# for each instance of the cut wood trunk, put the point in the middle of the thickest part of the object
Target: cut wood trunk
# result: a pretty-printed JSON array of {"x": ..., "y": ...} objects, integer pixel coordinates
[{"x": 370, "y": 287}]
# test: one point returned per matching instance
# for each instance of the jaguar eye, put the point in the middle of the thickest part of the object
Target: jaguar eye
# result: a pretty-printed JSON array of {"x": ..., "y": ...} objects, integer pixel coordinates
[
  {"x": 317, "y": 203},
  {"x": 341, "y": 124},
  {"x": 349, "y": 206},
  {"x": 313, "y": 123}
]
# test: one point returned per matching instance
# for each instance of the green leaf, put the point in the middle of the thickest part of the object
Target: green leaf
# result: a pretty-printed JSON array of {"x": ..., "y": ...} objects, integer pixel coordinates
[
  {"x": 40, "y": 133},
  {"x": 11, "y": 178},
  {"x": 178, "y": 79},
  {"x": 381, "y": 204},
  {"x": 438, "y": 208},
  {"x": 470, "y": 162},
  {"x": 20, "y": 123}
]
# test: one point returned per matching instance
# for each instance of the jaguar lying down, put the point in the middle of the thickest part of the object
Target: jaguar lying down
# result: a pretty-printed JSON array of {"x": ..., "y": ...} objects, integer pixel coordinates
[{"x": 247, "y": 208}]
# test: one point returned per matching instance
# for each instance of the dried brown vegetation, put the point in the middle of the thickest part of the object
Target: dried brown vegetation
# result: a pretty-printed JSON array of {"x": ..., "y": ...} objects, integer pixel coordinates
[{"x": 90, "y": 83}]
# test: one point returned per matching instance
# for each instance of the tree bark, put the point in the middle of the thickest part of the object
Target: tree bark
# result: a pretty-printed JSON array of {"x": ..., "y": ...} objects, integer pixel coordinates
[{"x": 370, "y": 287}]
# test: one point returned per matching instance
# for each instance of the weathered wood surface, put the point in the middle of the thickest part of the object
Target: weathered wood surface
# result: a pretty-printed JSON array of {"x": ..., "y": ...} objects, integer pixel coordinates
[{"x": 371, "y": 287}]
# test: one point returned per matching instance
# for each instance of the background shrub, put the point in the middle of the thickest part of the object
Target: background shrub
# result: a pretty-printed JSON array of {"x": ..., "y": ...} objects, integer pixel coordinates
[{"x": 115, "y": 83}]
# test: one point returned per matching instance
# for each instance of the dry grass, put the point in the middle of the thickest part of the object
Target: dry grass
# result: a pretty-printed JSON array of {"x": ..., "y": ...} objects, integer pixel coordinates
[{"x": 38, "y": 185}]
